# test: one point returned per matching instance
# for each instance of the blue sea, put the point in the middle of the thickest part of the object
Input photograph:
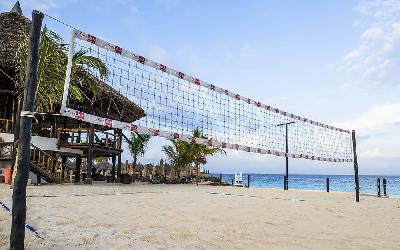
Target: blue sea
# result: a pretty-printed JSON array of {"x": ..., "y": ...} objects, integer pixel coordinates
[{"x": 338, "y": 183}]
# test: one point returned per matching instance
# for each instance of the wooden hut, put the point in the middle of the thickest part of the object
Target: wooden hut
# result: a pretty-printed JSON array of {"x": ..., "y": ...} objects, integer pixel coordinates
[{"x": 56, "y": 138}]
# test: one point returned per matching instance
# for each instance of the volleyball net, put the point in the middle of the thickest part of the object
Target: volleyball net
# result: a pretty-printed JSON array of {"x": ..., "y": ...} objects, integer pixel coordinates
[{"x": 175, "y": 104}]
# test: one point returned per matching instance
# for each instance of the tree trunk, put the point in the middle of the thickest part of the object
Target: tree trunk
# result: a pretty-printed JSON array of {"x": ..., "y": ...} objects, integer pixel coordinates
[
  {"x": 197, "y": 174},
  {"x": 135, "y": 167}
]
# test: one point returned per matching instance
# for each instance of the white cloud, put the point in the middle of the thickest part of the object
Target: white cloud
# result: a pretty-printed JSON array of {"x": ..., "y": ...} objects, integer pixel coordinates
[
  {"x": 377, "y": 131},
  {"x": 375, "y": 60},
  {"x": 375, "y": 118},
  {"x": 373, "y": 33},
  {"x": 352, "y": 55},
  {"x": 373, "y": 152},
  {"x": 379, "y": 8}
]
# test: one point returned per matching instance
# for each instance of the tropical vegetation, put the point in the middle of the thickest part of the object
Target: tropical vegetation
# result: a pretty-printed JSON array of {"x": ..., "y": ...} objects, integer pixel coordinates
[
  {"x": 138, "y": 145},
  {"x": 52, "y": 70},
  {"x": 182, "y": 154}
]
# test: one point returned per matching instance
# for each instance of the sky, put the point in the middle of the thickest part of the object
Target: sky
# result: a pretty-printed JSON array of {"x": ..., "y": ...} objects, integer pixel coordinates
[{"x": 336, "y": 62}]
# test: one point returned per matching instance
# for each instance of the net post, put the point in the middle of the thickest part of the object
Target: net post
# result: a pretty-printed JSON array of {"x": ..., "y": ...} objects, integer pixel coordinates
[
  {"x": 384, "y": 187},
  {"x": 378, "y": 186},
  {"x": 284, "y": 182},
  {"x": 68, "y": 72},
  {"x": 327, "y": 184},
  {"x": 287, "y": 158},
  {"x": 356, "y": 179},
  {"x": 17, "y": 235}
]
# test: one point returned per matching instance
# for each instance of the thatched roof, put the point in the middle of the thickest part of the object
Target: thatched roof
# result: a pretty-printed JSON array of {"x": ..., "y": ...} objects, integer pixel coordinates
[
  {"x": 14, "y": 27},
  {"x": 109, "y": 103}
]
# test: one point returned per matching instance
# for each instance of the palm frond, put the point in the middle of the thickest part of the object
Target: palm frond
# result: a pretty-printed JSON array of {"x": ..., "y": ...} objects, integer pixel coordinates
[{"x": 52, "y": 68}]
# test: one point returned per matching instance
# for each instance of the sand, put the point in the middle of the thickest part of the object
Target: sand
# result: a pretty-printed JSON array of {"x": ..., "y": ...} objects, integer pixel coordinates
[{"x": 143, "y": 216}]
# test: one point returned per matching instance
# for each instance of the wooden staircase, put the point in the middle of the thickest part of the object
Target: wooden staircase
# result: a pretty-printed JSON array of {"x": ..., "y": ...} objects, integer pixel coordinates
[{"x": 46, "y": 166}]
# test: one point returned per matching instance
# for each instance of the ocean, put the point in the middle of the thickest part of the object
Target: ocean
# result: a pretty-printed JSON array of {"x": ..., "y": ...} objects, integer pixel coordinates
[{"x": 337, "y": 183}]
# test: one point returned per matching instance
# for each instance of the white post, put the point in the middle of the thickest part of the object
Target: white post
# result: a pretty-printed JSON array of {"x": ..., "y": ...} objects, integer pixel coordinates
[{"x": 68, "y": 72}]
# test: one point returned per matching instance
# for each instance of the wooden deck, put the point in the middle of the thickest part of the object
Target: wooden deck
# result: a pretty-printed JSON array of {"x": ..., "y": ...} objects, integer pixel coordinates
[{"x": 78, "y": 138}]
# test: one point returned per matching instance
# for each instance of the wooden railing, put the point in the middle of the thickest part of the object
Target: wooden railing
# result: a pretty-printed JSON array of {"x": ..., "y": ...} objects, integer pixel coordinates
[
  {"x": 44, "y": 130},
  {"x": 5, "y": 125},
  {"x": 79, "y": 137},
  {"x": 47, "y": 166}
]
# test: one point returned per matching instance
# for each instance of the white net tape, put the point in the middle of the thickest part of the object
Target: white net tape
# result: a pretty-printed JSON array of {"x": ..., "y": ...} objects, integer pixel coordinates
[{"x": 176, "y": 103}]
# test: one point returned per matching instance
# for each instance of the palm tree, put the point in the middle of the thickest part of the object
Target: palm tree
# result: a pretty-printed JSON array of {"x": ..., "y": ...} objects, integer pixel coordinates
[
  {"x": 179, "y": 154},
  {"x": 200, "y": 152},
  {"x": 51, "y": 72},
  {"x": 138, "y": 145},
  {"x": 182, "y": 153}
]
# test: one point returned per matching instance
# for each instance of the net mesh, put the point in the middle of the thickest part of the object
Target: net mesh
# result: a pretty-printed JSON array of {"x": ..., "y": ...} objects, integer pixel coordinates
[{"x": 176, "y": 104}]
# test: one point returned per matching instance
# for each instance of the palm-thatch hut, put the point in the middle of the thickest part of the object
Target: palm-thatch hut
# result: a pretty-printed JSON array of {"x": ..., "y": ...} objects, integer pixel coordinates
[
  {"x": 14, "y": 30},
  {"x": 66, "y": 136}
]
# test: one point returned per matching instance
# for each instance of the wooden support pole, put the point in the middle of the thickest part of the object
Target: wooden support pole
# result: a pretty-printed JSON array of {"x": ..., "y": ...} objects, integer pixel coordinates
[
  {"x": 327, "y": 184},
  {"x": 17, "y": 236},
  {"x": 384, "y": 187},
  {"x": 89, "y": 165},
  {"x": 79, "y": 132},
  {"x": 113, "y": 159},
  {"x": 220, "y": 179},
  {"x": 119, "y": 146},
  {"x": 78, "y": 163},
  {"x": 356, "y": 179},
  {"x": 119, "y": 166},
  {"x": 378, "y": 186},
  {"x": 64, "y": 162}
]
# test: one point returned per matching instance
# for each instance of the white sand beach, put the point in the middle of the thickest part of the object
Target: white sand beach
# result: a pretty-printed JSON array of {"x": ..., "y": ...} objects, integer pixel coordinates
[{"x": 141, "y": 216}]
